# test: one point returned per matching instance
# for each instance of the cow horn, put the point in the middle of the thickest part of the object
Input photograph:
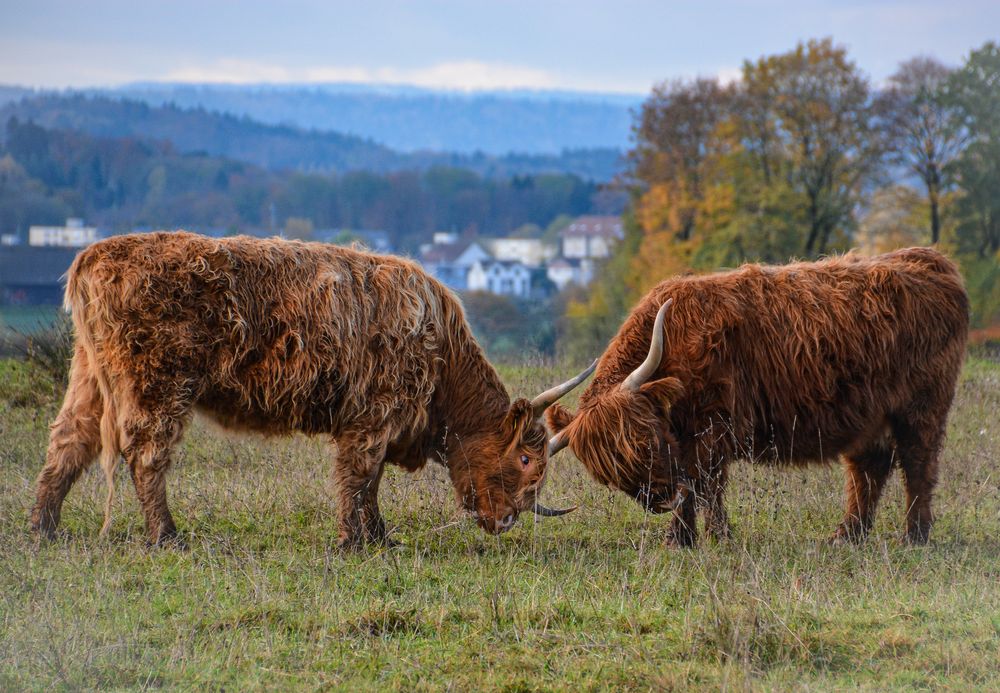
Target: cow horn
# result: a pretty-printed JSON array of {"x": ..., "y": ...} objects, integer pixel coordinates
[
  {"x": 652, "y": 362},
  {"x": 543, "y": 401},
  {"x": 542, "y": 511},
  {"x": 558, "y": 442}
]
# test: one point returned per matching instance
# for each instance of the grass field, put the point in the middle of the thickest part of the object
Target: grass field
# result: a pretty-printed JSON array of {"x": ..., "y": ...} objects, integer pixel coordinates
[{"x": 590, "y": 601}]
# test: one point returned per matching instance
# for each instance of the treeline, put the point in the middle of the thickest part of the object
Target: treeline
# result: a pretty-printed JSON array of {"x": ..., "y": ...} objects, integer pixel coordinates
[
  {"x": 414, "y": 119},
  {"x": 124, "y": 183},
  {"x": 803, "y": 157},
  {"x": 283, "y": 147}
]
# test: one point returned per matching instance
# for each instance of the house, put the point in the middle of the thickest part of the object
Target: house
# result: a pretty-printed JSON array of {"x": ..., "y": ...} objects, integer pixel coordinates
[
  {"x": 563, "y": 272},
  {"x": 591, "y": 237},
  {"x": 73, "y": 235},
  {"x": 450, "y": 262},
  {"x": 503, "y": 277},
  {"x": 531, "y": 252}
]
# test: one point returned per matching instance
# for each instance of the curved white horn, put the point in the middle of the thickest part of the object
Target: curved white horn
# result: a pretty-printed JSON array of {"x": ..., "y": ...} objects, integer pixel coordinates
[
  {"x": 652, "y": 362},
  {"x": 543, "y": 401},
  {"x": 558, "y": 442}
]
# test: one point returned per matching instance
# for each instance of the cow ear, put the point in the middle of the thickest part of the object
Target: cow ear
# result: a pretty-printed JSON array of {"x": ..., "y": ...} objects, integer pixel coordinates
[
  {"x": 558, "y": 417},
  {"x": 663, "y": 392},
  {"x": 518, "y": 420}
]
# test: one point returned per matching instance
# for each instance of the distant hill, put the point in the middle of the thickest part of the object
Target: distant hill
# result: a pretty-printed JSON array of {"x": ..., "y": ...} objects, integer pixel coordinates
[
  {"x": 410, "y": 119},
  {"x": 8, "y": 94},
  {"x": 278, "y": 147}
]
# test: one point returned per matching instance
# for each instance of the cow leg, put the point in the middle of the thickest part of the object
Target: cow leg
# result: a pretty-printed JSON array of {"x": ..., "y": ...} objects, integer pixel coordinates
[
  {"x": 866, "y": 473},
  {"x": 358, "y": 471},
  {"x": 372, "y": 522},
  {"x": 152, "y": 434},
  {"x": 149, "y": 475},
  {"x": 683, "y": 531},
  {"x": 713, "y": 496},
  {"x": 74, "y": 441},
  {"x": 148, "y": 465},
  {"x": 919, "y": 446}
]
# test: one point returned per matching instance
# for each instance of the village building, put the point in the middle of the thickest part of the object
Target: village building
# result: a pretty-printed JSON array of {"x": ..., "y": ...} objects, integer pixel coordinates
[
  {"x": 73, "y": 235},
  {"x": 449, "y": 260},
  {"x": 591, "y": 237},
  {"x": 532, "y": 252},
  {"x": 502, "y": 277}
]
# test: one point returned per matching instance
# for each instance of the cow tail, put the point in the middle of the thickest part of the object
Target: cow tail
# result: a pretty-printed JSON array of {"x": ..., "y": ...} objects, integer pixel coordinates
[{"x": 78, "y": 302}]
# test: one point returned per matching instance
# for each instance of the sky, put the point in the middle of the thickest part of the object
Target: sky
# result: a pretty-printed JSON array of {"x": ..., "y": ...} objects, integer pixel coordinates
[{"x": 621, "y": 46}]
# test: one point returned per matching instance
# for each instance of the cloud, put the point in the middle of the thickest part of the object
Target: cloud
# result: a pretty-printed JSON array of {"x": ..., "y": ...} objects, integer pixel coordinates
[
  {"x": 467, "y": 75},
  {"x": 229, "y": 70},
  {"x": 729, "y": 75}
]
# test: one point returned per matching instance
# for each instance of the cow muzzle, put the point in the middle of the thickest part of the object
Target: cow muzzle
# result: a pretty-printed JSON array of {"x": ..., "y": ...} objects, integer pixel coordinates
[{"x": 497, "y": 523}]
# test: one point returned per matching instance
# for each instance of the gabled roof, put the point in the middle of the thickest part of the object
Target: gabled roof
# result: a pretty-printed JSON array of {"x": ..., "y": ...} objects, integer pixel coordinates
[
  {"x": 444, "y": 252},
  {"x": 449, "y": 253}
]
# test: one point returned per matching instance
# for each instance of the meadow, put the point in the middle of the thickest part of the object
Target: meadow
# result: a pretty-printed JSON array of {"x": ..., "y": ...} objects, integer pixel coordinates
[{"x": 594, "y": 600}]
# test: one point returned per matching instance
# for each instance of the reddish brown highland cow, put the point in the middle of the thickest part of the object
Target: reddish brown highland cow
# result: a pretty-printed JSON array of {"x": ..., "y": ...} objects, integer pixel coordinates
[
  {"x": 278, "y": 337},
  {"x": 788, "y": 365}
]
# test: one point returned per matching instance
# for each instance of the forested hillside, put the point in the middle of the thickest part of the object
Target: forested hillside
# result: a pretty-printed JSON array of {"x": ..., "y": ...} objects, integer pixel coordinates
[
  {"x": 282, "y": 147},
  {"x": 119, "y": 184}
]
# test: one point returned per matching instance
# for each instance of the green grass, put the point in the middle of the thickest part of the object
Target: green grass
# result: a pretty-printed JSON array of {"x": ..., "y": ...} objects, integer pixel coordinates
[{"x": 590, "y": 601}]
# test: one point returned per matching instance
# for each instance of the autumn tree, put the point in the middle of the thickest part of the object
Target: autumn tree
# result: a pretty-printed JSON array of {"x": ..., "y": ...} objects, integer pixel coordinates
[
  {"x": 675, "y": 142},
  {"x": 811, "y": 121},
  {"x": 924, "y": 128},
  {"x": 974, "y": 90}
]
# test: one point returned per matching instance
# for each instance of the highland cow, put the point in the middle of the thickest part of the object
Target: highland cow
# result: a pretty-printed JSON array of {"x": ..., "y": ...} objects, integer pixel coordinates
[
  {"x": 793, "y": 364},
  {"x": 280, "y": 337}
]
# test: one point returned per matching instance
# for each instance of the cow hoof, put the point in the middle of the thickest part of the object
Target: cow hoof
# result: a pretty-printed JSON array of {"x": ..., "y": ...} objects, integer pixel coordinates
[
  {"x": 720, "y": 535},
  {"x": 915, "y": 539},
  {"x": 847, "y": 535},
  {"x": 47, "y": 534},
  {"x": 350, "y": 545},
  {"x": 680, "y": 541},
  {"x": 43, "y": 524},
  {"x": 169, "y": 541}
]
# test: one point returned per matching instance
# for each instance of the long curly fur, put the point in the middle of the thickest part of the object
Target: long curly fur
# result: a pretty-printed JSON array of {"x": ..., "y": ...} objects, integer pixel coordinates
[
  {"x": 278, "y": 337},
  {"x": 790, "y": 365}
]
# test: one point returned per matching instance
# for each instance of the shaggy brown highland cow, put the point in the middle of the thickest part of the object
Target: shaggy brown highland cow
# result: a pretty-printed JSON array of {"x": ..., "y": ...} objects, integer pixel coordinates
[
  {"x": 278, "y": 337},
  {"x": 787, "y": 365}
]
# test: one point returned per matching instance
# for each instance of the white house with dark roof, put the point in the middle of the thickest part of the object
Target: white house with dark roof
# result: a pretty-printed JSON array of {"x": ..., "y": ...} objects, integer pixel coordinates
[
  {"x": 503, "y": 277},
  {"x": 450, "y": 262}
]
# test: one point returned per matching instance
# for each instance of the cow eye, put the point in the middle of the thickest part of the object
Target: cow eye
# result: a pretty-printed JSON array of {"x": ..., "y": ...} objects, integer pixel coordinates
[{"x": 525, "y": 460}]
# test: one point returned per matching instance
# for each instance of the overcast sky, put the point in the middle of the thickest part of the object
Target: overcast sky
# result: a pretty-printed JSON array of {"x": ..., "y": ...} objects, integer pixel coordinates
[{"x": 622, "y": 46}]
